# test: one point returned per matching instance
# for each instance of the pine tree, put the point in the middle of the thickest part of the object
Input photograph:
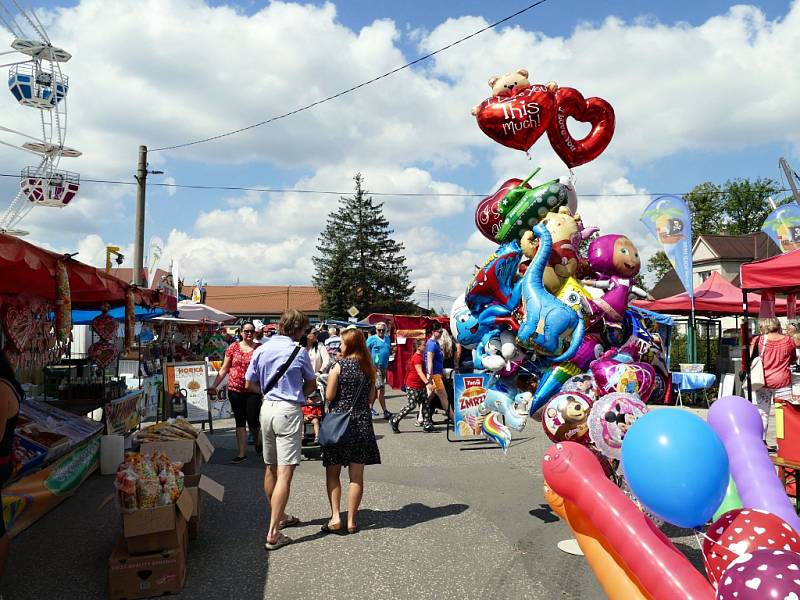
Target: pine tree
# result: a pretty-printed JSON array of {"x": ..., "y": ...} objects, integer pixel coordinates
[{"x": 358, "y": 263}]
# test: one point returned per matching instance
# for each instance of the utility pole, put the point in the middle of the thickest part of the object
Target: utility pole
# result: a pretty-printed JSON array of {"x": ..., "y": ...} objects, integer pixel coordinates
[
  {"x": 790, "y": 177},
  {"x": 138, "y": 237},
  {"x": 429, "y": 299}
]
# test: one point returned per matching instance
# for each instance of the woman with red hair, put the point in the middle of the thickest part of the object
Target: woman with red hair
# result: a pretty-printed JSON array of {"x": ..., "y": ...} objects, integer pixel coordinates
[{"x": 351, "y": 388}]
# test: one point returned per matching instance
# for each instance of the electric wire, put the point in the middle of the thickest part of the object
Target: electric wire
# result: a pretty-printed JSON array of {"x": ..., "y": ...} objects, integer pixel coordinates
[{"x": 355, "y": 87}]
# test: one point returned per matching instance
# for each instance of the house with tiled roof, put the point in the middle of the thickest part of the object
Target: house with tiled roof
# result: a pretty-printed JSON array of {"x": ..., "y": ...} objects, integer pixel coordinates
[{"x": 264, "y": 302}]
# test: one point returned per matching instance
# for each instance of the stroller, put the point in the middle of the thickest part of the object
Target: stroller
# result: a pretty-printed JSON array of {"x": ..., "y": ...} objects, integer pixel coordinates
[{"x": 309, "y": 448}]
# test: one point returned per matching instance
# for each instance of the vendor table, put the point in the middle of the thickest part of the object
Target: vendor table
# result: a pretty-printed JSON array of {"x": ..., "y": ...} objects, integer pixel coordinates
[
  {"x": 787, "y": 471},
  {"x": 693, "y": 382}
]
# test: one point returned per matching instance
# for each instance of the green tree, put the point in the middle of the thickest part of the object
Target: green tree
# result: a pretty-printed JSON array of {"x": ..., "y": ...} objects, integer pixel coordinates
[
  {"x": 658, "y": 265},
  {"x": 357, "y": 262},
  {"x": 745, "y": 204},
  {"x": 705, "y": 206}
]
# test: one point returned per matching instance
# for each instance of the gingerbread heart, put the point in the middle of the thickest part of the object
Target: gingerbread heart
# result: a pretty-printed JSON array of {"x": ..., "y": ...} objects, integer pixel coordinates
[
  {"x": 595, "y": 111},
  {"x": 488, "y": 219},
  {"x": 517, "y": 121},
  {"x": 102, "y": 353},
  {"x": 105, "y": 326},
  {"x": 19, "y": 325}
]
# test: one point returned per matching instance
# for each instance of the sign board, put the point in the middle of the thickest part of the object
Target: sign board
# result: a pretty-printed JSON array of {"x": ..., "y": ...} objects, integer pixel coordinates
[
  {"x": 151, "y": 387},
  {"x": 122, "y": 415},
  {"x": 220, "y": 404},
  {"x": 469, "y": 392},
  {"x": 352, "y": 311},
  {"x": 192, "y": 379}
]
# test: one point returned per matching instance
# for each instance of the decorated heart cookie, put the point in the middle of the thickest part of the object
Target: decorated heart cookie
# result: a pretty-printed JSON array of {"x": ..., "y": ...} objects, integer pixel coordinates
[
  {"x": 19, "y": 325},
  {"x": 105, "y": 326},
  {"x": 102, "y": 353}
]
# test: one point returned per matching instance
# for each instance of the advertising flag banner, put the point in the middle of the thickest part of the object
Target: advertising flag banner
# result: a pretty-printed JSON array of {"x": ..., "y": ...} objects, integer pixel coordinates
[
  {"x": 154, "y": 258},
  {"x": 783, "y": 226},
  {"x": 668, "y": 219}
]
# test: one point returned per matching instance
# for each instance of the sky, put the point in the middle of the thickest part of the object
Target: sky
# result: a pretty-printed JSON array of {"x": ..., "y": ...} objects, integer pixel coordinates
[{"x": 702, "y": 91}]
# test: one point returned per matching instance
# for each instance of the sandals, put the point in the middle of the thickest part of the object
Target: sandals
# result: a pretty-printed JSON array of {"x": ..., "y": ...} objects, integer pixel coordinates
[
  {"x": 289, "y": 521},
  {"x": 352, "y": 530},
  {"x": 329, "y": 528},
  {"x": 282, "y": 541}
]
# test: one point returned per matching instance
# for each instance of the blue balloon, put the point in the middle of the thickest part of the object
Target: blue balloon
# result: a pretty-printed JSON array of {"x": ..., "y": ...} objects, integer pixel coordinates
[{"x": 676, "y": 465}]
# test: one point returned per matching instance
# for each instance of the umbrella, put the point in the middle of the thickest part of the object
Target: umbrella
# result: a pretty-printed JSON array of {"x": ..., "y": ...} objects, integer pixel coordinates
[{"x": 202, "y": 312}]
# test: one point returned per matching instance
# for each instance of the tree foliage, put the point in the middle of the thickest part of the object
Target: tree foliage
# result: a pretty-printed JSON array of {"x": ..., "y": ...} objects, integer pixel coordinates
[
  {"x": 738, "y": 207},
  {"x": 357, "y": 261}
]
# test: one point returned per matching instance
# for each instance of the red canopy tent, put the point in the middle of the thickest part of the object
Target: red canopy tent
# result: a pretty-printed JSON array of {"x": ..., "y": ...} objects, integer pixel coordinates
[
  {"x": 779, "y": 274},
  {"x": 715, "y": 296},
  {"x": 409, "y": 328},
  {"x": 26, "y": 269}
]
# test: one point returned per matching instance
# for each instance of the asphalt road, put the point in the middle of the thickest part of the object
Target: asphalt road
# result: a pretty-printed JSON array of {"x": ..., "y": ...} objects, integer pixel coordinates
[{"x": 438, "y": 520}]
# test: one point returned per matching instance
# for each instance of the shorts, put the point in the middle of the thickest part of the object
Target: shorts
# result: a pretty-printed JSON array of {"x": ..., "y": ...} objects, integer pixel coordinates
[
  {"x": 438, "y": 382},
  {"x": 246, "y": 407},
  {"x": 380, "y": 378},
  {"x": 311, "y": 412},
  {"x": 281, "y": 432}
]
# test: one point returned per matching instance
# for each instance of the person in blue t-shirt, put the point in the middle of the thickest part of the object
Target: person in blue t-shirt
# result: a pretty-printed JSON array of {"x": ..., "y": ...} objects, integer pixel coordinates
[
  {"x": 434, "y": 366},
  {"x": 380, "y": 348}
]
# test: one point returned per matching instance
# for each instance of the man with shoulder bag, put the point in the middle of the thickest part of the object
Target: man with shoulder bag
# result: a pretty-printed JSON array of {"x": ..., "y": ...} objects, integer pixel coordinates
[{"x": 281, "y": 371}]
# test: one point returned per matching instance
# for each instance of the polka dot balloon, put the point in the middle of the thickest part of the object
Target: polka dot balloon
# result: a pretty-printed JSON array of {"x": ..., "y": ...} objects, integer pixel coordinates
[{"x": 761, "y": 575}]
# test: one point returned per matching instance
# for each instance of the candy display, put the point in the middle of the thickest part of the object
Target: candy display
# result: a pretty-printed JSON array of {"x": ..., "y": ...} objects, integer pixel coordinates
[{"x": 147, "y": 481}]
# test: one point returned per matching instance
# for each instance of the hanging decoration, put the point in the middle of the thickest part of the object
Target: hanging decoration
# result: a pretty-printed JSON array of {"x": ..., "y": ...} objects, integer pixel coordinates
[{"x": 63, "y": 301}]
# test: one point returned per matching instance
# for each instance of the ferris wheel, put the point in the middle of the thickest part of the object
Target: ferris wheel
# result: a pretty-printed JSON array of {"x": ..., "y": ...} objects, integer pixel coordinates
[{"x": 37, "y": 83}]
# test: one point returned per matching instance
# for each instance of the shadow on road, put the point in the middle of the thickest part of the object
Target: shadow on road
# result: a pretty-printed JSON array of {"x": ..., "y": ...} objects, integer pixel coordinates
[
  {"x": 544, "y": 513},
  {"x": 408, "y": 516}
]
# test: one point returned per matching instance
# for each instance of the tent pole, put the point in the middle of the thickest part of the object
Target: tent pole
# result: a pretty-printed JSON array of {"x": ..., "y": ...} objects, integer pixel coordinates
[
  {"x": 746, "y": 339},
  {"x": 692, "y": 346}
]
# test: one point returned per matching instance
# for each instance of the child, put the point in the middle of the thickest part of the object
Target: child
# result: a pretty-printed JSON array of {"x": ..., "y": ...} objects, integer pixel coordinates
[
  {"x": 311, "y": 414},
  {"x": 416, "y": 380}
]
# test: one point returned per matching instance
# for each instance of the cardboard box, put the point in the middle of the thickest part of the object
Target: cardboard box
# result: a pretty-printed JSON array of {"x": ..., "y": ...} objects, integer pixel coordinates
[
  {"x": 149, "y": 530},
  {"x": 148, "y": 575},
  {"x": 192, "y": 453},
  {"x": 193, "y": 484}
]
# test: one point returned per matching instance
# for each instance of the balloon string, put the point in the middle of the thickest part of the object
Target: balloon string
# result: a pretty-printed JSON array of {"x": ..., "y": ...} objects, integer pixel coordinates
[
  {"x": 572, "y": 177},
  {"x": 713, "y": 541}
]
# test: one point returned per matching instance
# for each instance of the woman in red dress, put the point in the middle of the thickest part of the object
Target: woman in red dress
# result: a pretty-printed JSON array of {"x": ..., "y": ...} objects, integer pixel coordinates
[{"x": 246, "y": 405}]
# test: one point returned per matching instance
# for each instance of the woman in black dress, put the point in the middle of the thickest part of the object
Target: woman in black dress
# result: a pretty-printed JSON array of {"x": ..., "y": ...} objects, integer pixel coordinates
[
  {"x": 10, "y": 396},
  {"x": 351, "y": 388}
]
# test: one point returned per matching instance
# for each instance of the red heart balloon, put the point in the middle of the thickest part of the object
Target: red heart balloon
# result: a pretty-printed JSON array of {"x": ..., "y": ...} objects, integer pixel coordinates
[
  {"x": 517, "y": 121},
  {"x": 487, "y": 218},
  {"x": 596, "y": 111}
]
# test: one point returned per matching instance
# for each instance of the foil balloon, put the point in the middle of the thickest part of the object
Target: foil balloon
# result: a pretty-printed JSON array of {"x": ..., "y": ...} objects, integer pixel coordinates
[
  {"x": 739, "y": 426},
  {"x": 743, "y": 531},
  {"x": 523, "y": 207},
  {"x": 660, "y": 569},
  {"x": 487, "y": 216},
  {"x": 616, "y": 580},
  {"x": 551, "y": 383},
  {"x": 610, "y": 419},
  {"x": 494, "y": 431},
  {"x": 631, "y": 378},
  {"x": 595, "y": 111},
  {"x": 499, "y": 402},
  {"x": 517, "y": 121},
  {"x": 583, "y": 384},
  {"x": 762, "y": 574},
  {"x": 565, "y": 417}
]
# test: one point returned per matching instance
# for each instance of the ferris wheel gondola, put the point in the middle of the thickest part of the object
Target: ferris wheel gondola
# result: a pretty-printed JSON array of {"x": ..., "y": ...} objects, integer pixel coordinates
[{"x": 37, "y": 83}]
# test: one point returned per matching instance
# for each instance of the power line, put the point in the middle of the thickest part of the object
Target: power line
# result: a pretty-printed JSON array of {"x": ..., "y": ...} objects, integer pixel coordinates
[
  {"x": 355, "y": 87},
  {"x": 232, "y": 188}
]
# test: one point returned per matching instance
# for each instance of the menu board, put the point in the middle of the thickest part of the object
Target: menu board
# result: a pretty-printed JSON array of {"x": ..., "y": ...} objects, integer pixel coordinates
[{"x": 191, "y": 378}]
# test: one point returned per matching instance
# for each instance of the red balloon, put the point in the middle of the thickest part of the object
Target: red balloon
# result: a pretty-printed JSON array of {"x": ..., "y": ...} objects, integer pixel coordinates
[
  {"x": 517, "y": 121},
  {"x": 596, "y": 111},
  {"x": 743, "y": 531},
  {"x": 487, "y": 218},
  {"x": 661, "y": 571}
]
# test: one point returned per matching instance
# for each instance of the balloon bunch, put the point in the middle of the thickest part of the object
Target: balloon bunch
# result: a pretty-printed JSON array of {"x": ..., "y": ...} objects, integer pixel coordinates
[
  {"x": 518, "y": 113},
  {"x": 533, "y": 324},
  {"x": 688, "y": 472}
]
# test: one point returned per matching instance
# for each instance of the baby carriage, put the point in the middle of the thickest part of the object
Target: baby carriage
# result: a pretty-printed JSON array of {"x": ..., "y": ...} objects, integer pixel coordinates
[{"x": 310, "y": 447}]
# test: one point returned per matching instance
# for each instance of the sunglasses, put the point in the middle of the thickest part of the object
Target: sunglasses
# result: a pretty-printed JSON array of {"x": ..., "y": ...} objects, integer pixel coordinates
[
  {"x": 248, "y": 330},
  {"x": 380, "y": 330}
]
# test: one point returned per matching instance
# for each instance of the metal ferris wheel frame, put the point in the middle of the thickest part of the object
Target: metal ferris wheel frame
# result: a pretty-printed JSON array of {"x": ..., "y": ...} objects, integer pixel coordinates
[{"x": 37, "y": 82}]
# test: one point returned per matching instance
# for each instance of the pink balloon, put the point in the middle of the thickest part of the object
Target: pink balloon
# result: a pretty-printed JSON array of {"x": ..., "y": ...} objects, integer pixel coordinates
[
  {"x": 633, "y": 378},
  {"x": 574, "y": 473}
]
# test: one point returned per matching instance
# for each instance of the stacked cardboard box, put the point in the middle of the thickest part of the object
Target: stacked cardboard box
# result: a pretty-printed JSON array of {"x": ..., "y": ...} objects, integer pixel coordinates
[{"x": 149, "y": 558}]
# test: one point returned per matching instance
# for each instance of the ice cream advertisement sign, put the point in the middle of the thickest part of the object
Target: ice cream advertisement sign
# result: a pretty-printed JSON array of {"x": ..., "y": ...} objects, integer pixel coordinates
[{"x": 470, "y": 392}]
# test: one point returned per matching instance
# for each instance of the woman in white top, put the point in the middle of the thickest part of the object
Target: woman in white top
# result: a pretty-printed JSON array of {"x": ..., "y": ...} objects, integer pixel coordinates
[{"x": 320, "y": 360}]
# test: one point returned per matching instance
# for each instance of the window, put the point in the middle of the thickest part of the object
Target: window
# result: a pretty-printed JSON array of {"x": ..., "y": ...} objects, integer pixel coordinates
[{"x": 704, "y": 275}]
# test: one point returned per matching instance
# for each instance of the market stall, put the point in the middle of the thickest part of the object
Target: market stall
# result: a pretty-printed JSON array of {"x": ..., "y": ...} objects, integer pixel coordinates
[{"x": 56, "y": 446}]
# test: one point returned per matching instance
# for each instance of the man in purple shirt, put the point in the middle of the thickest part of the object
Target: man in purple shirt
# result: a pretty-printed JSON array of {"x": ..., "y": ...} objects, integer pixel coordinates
[{"x": 281, "y": 415}]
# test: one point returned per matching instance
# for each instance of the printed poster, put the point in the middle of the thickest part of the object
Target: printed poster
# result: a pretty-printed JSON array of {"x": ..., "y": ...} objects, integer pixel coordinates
[
  {"x": 191, "y": 378},
  {"x": 122, "y": 414},
  {"x": 469, "y": 392}
]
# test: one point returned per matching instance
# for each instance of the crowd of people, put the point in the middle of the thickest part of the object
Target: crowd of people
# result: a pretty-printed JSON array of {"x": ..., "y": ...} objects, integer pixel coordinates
[{"x": 304, "y": 373}]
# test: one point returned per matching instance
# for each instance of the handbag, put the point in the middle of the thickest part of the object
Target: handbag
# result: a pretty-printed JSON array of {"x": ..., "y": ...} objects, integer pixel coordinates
[
  {"x": 757, "y": 380},
  {"x": 336, "y": 428}
]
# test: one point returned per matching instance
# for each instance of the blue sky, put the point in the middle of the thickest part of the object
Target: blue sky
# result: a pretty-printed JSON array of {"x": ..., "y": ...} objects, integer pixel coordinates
[{"x": 678, "y": 123}]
